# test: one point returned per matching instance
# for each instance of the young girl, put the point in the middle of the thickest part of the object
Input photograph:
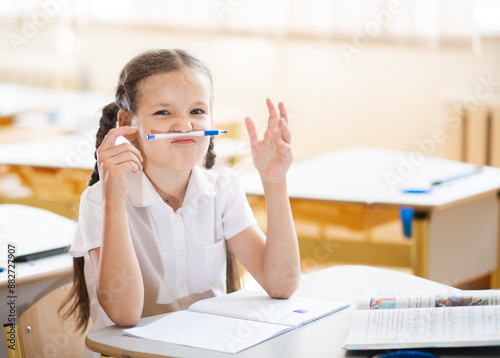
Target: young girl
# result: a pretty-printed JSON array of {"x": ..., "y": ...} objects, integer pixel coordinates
[{"x": 154, "y": 227}]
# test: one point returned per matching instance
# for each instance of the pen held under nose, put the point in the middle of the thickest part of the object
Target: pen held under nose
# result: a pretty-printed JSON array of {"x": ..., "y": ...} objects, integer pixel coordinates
[{"x": 185, "y": 134}]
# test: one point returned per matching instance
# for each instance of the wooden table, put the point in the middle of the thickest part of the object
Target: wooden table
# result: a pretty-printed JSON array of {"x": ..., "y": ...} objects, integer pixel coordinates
[
  {"x": 455, "y": 226},
  {"x": 31, "y": 230},
  {"x": 28, "y": 230},
  {"x": 322, "y": 338},
  {"x": 55, "y": 169}
]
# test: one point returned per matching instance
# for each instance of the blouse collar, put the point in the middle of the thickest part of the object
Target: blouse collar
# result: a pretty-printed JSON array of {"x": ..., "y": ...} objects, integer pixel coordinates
[{"x": 141, "y": 191}]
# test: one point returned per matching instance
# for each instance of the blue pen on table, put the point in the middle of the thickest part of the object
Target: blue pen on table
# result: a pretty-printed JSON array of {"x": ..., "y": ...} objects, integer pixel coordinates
[
  {"x": 438, "y": 182},
  {"x": 474, "y": 170},
  {"x": 185, "y": 134}
]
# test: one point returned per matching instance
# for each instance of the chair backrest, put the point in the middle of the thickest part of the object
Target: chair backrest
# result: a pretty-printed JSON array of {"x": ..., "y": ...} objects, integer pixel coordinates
[{"x": 45, "y": 332}]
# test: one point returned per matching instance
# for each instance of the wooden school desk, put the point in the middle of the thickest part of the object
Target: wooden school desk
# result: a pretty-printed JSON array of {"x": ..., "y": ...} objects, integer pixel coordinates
[
  {"x": 322, "y": 338},
  {"x": 55, "y": 169},
  {"x": 31, "y": 230},
  {"x": 455, "y": 226},
  {"x": 27, "y": 230}
]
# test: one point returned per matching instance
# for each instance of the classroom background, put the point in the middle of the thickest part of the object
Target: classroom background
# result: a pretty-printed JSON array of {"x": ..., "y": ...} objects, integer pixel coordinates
[
  {"x": 419, "y": 77},
  {"x": 416, "y": 76},
  {"x": 378, "y": 73}
]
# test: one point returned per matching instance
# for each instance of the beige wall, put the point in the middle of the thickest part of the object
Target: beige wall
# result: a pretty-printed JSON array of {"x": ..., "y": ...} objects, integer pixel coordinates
[{"x": 388, "y": 96}]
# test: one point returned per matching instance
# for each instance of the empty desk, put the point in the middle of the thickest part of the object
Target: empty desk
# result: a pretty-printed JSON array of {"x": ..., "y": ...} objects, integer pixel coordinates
[{"x": 455, "y": 224}]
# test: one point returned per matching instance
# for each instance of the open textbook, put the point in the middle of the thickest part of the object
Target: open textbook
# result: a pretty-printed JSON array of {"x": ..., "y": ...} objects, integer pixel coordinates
[
  {"x": 236, "y": 321},
  {"x": 403, "y": 319}
]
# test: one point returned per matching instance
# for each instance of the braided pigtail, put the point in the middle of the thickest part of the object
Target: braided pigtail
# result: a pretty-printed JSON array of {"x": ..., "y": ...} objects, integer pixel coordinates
[
  {"x": 107, "y": 122},
  {"x": 209, "y": 159}
]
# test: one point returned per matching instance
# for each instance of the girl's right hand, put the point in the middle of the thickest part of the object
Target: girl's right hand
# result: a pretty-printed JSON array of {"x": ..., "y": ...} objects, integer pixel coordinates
[{"x": 115, "y": 161}]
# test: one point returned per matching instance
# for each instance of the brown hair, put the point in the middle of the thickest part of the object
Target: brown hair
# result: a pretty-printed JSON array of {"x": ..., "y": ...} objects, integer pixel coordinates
[{"x": 127, "y": 96}]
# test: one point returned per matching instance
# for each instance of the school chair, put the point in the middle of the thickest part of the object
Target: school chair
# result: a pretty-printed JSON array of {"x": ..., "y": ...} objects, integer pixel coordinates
[{"x": 44, "y": 332}]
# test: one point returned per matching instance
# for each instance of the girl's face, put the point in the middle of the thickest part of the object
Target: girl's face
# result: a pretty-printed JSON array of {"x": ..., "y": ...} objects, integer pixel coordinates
[{"x": 173, "y": 102}]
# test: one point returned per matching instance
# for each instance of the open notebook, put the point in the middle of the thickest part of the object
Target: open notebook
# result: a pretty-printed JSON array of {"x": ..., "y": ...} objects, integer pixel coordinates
[{"x": 236, "y": 321}]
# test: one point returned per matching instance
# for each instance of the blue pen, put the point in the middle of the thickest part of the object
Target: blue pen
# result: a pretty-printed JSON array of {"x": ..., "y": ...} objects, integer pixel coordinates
[
  {"x": 474, "y": 170},
  {"x": 185, "y": 134}
]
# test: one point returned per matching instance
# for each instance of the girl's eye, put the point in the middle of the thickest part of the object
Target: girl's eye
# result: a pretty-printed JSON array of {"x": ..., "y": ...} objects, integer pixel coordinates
[
  {"x": 162, "y": 112},
  {"x": 197, "y": 111}
]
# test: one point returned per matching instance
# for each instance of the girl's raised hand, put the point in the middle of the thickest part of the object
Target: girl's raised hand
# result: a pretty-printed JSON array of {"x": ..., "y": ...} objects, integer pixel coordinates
[
  {"x": 115, "y": 161},
  {"x": 272, "y": 156}
]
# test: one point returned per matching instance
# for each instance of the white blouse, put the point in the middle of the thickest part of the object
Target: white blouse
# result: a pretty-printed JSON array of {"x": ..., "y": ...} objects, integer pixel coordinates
[{"x": 182, "y": 254}]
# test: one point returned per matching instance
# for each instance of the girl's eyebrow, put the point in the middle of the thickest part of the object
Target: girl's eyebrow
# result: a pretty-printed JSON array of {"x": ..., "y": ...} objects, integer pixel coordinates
[
  {"x": 197, "y": 103},
  {"x": 162, "y": 104},
  {"x": 200, "y": 103}
]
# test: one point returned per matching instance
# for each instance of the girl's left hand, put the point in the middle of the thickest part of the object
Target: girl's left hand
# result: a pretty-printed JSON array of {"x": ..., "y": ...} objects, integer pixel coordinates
[{"x": 272, "y": 156}]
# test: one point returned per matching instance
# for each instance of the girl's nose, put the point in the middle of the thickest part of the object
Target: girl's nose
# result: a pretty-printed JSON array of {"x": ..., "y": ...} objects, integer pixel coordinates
[{"x": 182, "y": 124}]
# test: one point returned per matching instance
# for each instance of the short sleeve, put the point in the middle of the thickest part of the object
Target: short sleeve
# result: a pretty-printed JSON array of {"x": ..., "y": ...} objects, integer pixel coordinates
[
  {"x": 237, "y": 215},
  {"x": 89, "y": 229}
]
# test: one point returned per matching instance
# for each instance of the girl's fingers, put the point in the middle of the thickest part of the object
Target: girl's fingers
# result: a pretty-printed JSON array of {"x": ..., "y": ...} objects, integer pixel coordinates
[
  {"x": 285, "y": 131},
  {"x": 277, "y": 126},
  {"x": 273, "y": 116},
  {"x": 110, "y": 138},
  {"x": 128, "y": 167},
  {"x": 251, "y": 129},
  {"x": 102, "y": 155},
  {"x": 283, "y": 113},
  {"x": 125, "y": 160},
  {"x": 127, "y": 147}
]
